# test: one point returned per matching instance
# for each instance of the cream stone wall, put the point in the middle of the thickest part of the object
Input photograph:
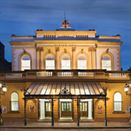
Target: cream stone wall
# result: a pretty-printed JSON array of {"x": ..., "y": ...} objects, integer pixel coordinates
[
  {"x": 92, "y": 48},
  {"x": 17, "y": 52}
]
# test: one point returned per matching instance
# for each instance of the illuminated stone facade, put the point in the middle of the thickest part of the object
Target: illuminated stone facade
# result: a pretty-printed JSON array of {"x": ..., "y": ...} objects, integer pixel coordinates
[
  {"x": 66, "y": 42},
  {"x": 79, "y": 63}
]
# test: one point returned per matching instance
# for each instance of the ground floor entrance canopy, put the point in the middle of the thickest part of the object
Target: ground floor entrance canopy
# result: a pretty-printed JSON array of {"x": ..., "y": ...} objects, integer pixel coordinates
[
  {"x": 38, "y": 89},
  {"x": 65, "y": 90}
]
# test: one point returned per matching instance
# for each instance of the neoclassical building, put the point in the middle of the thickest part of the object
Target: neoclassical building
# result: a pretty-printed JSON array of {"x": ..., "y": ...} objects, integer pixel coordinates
[{"x": 66, "y": 75}]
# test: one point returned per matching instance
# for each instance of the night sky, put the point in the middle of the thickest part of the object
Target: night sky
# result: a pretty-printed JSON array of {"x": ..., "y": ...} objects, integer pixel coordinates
[{"x": 108, "y": 17}]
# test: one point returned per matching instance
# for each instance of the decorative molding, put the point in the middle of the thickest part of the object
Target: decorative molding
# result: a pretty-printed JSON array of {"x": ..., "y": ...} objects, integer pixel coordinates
[
  {"x": 65, "y": 91},
  {"x": 49, "y": 51},
  {"x": 82, "y": 50},
  {"x": 73, "y": 49},
  {"x": 92, "y": 49},
  {"x": 107, "y": 50},
  {"x": 65, "y": 50},
  {"x": 57, "y": 49}
]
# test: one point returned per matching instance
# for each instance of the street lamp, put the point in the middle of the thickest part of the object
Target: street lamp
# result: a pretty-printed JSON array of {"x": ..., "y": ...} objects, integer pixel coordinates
[
  {"x": 3, "y": 89},
  {"x": 127, "y": 90}
]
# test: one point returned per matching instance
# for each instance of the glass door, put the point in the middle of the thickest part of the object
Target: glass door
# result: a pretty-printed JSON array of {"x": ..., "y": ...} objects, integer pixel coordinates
[
  {"x": 47, "y": 109},
  {"x": 84, "y": 109},
  {"x": 66, "y": 108}
]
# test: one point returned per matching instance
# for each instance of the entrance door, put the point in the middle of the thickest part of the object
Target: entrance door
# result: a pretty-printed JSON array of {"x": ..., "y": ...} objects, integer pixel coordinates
[
  {"x": 86, "y": 109},
  {"x": 45, "y": 109},
  {"x": 65, "y": 108}
]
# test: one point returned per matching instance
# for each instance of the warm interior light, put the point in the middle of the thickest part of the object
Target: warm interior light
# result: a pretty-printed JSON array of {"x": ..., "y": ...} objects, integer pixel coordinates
[
  {"x": 126, "y": 88},
  {"x": 4, "y": 89},
  {"x": 130, "y": 85},
  {"x": 0, "y": 85}
]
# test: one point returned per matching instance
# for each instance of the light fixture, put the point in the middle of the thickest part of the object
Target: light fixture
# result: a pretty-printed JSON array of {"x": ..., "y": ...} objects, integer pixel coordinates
[
  {"x": 0, "y": 85},
  {"x": 3, "y": 89},
  {"x": 127, "y": 87}
]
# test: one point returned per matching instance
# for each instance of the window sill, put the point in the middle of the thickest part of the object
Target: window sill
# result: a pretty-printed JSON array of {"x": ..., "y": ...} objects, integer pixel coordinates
[{"x": 118, "y": 112}]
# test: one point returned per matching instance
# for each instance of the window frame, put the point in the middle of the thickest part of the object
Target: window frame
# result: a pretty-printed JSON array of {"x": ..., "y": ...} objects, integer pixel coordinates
[
  {"x": 116, "y": 104},
  {"x": 14, "y": 101},
  {"x": 25, "y": 54},
  {"x": 111, "y": 61},
  {"x": 50, "y": 57},
  {"x": 66, "y": 57}
]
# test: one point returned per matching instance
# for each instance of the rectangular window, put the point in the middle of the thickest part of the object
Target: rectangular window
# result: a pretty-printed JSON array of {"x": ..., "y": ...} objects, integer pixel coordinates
[
  {"x": 14, "y": 106},
  {"x": 117, "y": 106},
  {"x": 25, "y": 65},
  {"x": 106, "y": 64},
  {"x": 47, "y": 106},
  {"x": 83, "y": 106},
  {"x": 50, "y": 64},
  {"x": 65, "y": 64},
  {"x": 81, "y": 64},
  {"x": 66, "y": 106}
]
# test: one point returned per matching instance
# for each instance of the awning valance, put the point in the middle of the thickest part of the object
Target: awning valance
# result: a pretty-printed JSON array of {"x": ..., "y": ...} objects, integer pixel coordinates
[{"x": 65, "y": 88}]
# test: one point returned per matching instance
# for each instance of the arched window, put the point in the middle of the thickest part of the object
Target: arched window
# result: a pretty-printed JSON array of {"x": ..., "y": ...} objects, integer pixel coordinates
[
  {"x": 66, "y": 62},
  {"x": 81, "y": 62},
  {"x": 50, "y": 62},
  {"x": 14, "y": 102},
  {"x": 106, "y": 62},
  {"x": 117, "y": 101},
  {"x": 25, "y": 62}
]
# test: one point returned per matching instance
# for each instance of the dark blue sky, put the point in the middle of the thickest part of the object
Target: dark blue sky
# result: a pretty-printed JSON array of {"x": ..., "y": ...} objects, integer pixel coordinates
[{"x": 108, "y": 17}]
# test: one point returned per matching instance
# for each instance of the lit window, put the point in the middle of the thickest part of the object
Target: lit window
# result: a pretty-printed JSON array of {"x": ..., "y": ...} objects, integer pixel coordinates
[
  {"x": 65, "y": 63},
  {"x": 47, "y": 106},
  {"x": 14, "y": 102},
  {"x": 117, "y": 102},
  {"x": 83, "y": 106},
  {"x": 81, "y": 63},
  {"x": 50, "y": 63},
  {"x": 106, "y": 62},
  {"x": 25, "y": 62}
]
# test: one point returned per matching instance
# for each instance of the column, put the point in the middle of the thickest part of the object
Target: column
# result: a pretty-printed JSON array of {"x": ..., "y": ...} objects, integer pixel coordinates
[
  {"x": 52, "y": 112},
  {"x": 105, "y": 90},
  {"x": 78, "y": 111},
  {"x": 57, "y": 60},
  {"x": 94, "y": 57},
  {"x": 92, "y": 53},
  {"x": 74, "y": 66},
  {"x": 41, "y": 58},
  {"x": 25, "y": 115},
  {"x": 89, "y": 60},
  {"x": 90, "y": 109},
  {"x": 37, "y": 57}
]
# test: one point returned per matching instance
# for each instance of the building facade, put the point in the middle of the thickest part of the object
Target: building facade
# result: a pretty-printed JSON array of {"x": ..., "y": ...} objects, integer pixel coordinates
[{"x": 66, "y": 75}]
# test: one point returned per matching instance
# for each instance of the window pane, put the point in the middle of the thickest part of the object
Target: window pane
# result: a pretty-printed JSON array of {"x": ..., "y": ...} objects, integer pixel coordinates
[
  {"x": 25, "y": 63},
  {"x": 65, "y": 64},
  {"x": 106, "y": 64},
  {"x": 14, "y": 102},
  {"x": 117, "y": 102},
  {"x": 117, "y": 106},
  {"x": 14, "y": 106},
  {"x": 81, "y": 64},
  {"x": 48, "y": 106},
  {"x": 50, "y": 64}
]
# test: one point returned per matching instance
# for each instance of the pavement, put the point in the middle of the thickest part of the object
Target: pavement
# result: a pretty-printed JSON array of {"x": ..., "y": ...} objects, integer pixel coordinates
[{"x": 63, "y": 125}]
